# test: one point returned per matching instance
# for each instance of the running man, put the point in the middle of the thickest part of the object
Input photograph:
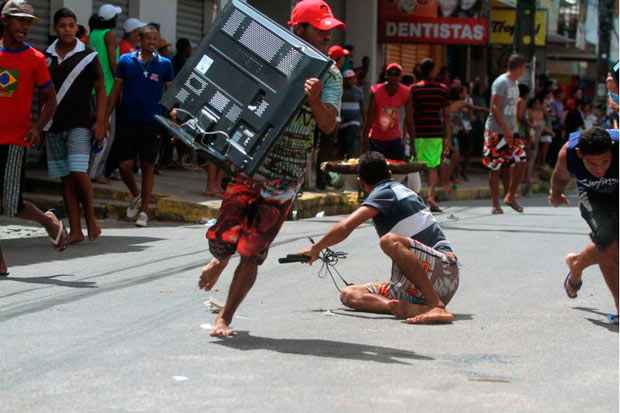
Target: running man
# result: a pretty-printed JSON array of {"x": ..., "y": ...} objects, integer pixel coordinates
[
  {"x": 592, "y": 157},
  {"x": 425, "y": 274},
  {"x": 23, "y": 72},
  {"x": 504, "y": 149},
  {"x": 254, "y": 209}
]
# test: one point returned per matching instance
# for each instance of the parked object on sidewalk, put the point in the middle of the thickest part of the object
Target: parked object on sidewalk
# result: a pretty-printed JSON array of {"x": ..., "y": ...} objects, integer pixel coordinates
[{"x": 242, "y": 87}]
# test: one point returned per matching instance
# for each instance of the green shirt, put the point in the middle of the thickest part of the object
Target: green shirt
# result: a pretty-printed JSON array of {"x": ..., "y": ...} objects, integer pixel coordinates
[{"x": 97, "y": 42}]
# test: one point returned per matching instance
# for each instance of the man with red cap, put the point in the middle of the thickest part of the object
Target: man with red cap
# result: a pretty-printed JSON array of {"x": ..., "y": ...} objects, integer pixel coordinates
[
  {"x": 338, "y": 55},
  {"x": 254, "y": 209},
  {"x": 382, "y": 132}
]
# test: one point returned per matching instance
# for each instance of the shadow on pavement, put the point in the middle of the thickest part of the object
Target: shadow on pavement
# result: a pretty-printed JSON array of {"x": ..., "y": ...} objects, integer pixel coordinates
[
  {"x": 52, "y": 280},
  {"x": 321, "y": 348},
  {"x": 26, "y": 251},
  {"x": 605, "y": 324},
  {"x": 372, "y": 316}
]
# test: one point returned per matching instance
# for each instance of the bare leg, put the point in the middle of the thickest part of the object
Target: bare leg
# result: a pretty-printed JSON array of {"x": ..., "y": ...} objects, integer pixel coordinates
[
  {"x": 358, "y": 298},
  {"x": 505, "y": 176},
  {"x": 516, "y": 176},
  {"x": 214, "y": 181},
  {"x": 32, "y": 213},
  {"x": 398, "y": 248},
  {"x": 72, "y": 204},
  {"x": 432, "y": 183},
  {"x": 403, "y": 309},
  {"x": 211, "y": 273},
  {"x": 148, "y": 181},
  {"x": 4, "y": 269},
  {"x": 608, "y": 262},
  {"x": 245, "y": 276},
  {"x": 126, "y": 170},
  {"x": 494, "y": 177},
  {"x": 578, "y": 262},
  {"x": 86, "y": 189}
]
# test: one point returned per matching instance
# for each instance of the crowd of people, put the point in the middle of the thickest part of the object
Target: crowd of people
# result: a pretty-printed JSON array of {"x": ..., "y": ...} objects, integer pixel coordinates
[{"x": 97, "y": 107}]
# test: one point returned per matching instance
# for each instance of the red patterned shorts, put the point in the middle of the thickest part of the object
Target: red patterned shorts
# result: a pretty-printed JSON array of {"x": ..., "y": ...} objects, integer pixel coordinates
[
  {"x": 250, "y": 217},
  {"x": 497, "y": 153}
]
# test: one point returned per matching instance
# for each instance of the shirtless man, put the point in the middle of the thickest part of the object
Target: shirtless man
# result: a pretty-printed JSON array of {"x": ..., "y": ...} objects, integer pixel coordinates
[
  {"x": 425, "y": 274},
  {"x": 592, "y": 157}
]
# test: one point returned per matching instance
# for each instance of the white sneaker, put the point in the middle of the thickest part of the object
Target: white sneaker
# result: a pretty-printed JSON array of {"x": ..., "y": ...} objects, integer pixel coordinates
[
  {"x": 143, "y": 219},
  {"x": 134, "y": 207}
]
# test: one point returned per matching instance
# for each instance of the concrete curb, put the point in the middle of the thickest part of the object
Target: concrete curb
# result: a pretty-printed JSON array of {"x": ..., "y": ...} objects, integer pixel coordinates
[{"x": 111, "y": 203}]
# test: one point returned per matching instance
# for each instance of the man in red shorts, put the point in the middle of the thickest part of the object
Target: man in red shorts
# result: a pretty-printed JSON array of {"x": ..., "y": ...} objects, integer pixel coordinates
[
  {"x": 504, "y": 150},
  {"x": 254, "y": 209}
]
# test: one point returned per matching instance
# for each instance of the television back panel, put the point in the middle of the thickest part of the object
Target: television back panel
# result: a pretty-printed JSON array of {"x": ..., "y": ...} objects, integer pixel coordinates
[{"x": 242, "y": 86}]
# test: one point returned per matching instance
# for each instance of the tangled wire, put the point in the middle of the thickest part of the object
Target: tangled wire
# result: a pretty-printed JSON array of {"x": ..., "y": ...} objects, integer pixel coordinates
[{"x": 329, "y": 258}]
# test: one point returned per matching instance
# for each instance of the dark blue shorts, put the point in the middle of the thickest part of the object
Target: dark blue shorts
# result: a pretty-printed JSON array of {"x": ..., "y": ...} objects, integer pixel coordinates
[{"x": 394, "y": 149}]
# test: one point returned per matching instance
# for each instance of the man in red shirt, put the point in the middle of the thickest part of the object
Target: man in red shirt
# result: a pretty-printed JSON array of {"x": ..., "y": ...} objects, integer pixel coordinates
[
  {"x": 382, "y": 132},
  {"x": 22, "y": 69}
]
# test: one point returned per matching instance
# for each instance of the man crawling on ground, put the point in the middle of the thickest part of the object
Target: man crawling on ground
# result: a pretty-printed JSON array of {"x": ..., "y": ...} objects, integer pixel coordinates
[{"x": 425, "y": 274}]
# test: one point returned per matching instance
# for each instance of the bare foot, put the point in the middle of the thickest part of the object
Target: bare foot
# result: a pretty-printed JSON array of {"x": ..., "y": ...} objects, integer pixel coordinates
[
  {"x": 436, "y": 315},
  {"x": 513, "y": 203},
  {"x": 221, "y": 328},
  {"x": 211, "y": 273},
  {"x": 94, "y": 231},
  {"x": 75, "y": 238},
  {"x": 403, "y": 309}
]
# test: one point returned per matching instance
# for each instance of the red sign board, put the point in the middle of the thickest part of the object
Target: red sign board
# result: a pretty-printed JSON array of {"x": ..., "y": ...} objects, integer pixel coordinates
[{"x": 401, "y": 25}]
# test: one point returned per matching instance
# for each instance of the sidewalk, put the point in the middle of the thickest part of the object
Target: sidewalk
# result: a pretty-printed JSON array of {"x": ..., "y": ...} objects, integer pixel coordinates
[{"x": 179, "y": 196}]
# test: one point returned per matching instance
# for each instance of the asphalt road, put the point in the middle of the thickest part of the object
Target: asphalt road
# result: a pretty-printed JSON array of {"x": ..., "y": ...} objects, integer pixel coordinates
[{"x": 119, "y": 326}]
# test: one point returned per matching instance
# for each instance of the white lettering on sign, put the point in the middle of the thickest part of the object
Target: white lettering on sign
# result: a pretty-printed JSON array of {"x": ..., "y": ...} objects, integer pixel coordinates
[{"x": 457, "y": 32}]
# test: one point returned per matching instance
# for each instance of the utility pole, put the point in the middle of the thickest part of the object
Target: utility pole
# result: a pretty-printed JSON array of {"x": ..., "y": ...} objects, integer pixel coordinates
[
  {"x": 524, "y": 40},
  {"x": 605, "y": 20}
]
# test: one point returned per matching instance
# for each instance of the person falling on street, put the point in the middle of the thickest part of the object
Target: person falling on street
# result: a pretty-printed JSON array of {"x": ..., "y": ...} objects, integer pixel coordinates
[
  {"x": 140, "y": 81},
  {"x": 592, "y": 158},
  {"x": 23, "y": 72},
  {"x": 254, "y": 209},
  {"x": 504, "y": 149},
  {"x": 425, "y": 274},
  {"x": 76, "y": 71}
]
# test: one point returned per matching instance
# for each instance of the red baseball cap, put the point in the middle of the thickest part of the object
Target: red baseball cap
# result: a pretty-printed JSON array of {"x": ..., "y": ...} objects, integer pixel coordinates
[
  {"x": 394, "y": 66},
  {"x": 336, "y": 52},
  {"x": 317, "y": 13}
]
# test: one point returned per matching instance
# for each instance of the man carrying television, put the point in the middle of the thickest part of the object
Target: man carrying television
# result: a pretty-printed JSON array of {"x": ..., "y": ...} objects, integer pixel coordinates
[{"x": 254, "y": 209}]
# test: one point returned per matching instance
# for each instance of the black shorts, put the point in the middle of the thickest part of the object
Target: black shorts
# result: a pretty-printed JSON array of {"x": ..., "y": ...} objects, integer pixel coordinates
[
  {"x": 138, "y": 140},
  {"x": 12, "y": 173},
  {"x": 394, "y": 149},
  {"x": 600, "y": 211}
]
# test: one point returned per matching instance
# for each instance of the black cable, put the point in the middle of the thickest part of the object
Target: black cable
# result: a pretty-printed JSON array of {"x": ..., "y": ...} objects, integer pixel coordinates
[{"x": 329, "y": 259}]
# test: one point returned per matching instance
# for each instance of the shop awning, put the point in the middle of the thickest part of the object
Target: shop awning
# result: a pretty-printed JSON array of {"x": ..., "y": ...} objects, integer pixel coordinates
[
  {"x": 504, "y": 3},
  {"x": 570, "y": 53}
]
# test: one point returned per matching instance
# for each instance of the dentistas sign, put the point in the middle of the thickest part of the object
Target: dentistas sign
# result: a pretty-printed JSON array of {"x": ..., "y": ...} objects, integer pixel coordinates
[{"x": 417, "y": 24}]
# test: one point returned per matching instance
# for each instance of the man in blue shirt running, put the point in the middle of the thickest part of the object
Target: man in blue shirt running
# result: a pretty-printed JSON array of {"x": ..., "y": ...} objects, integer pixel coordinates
[
  {"x": 592, "y": 158},
  {"x": 141, "y": 78}
]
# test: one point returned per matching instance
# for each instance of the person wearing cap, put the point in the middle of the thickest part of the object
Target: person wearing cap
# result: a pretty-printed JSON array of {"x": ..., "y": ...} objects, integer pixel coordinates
[
  {"x": 382, "y": 131},
  {"x": 164, "y": 48},
  {"x": 352, "y": 114},
  {"x": 75, "y": 68},
  {"x": 103, "y": 40},
  {"x": 131, "y": 36},
  {"x": 254, "y": 209},
  {"x": 23, "y": 73},
  {"x": 338, "y": 54},
  {"x": 431, "y": 122}
]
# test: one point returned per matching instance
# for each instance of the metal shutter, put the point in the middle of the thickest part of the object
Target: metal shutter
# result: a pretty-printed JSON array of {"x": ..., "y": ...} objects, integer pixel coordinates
[
  {"x": 40, "y": 32},
  {"x": 191, "y": 20},
  {"x": 408, "y": 55},
  {"x": 123, "y": 4}
]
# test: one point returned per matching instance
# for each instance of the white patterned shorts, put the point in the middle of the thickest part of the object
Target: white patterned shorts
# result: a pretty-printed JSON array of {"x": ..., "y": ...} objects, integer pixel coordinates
[{"x": 442, "y": 270}]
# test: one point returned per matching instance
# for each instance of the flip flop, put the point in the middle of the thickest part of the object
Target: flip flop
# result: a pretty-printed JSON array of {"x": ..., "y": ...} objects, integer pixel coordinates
[
  {"x": 497, "y": 211},
  {"x": 612, "y": 318},
  {"x": 60, "y": 242},
  {"x": 5, "y": 274},
  {"x": 568, "y": 283}
]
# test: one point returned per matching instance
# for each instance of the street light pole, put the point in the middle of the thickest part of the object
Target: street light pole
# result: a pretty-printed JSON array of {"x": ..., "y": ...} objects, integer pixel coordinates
[
  {"x": 524, "y": 40},
  {"x": 605, "y": 16}
]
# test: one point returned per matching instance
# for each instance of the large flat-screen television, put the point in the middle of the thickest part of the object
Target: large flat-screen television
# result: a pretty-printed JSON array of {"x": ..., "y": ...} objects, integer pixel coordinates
[{"x": 241, "y": 87}]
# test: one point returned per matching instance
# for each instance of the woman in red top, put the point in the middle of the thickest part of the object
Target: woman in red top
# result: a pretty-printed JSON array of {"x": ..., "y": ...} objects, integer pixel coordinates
[{"x": 382, "y": 132}]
